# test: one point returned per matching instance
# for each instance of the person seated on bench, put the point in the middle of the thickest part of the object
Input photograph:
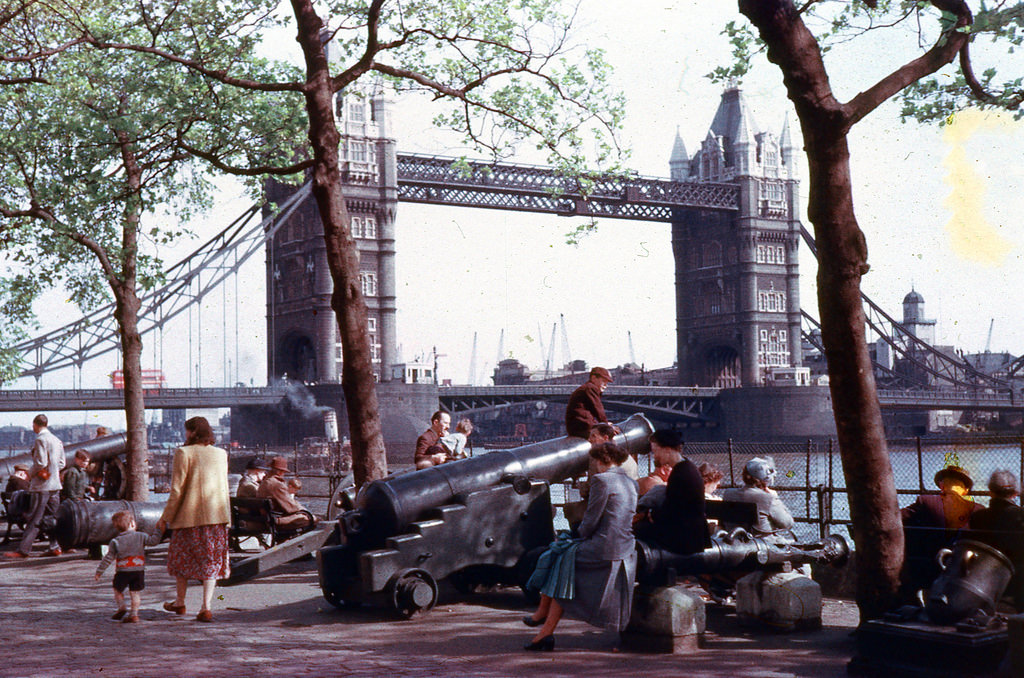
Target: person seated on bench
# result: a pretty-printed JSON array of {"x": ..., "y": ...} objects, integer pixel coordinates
[
  {"x": 772, "y": 515},
  {"x": 274, "y": 487},
  {"x": 679, "y": 523},
  {"x": 249, "y": 485},
  {"x": 951, "y": 509},
  {"x": 1004, "y": 522},
  {"x": 17, "y": 481}
]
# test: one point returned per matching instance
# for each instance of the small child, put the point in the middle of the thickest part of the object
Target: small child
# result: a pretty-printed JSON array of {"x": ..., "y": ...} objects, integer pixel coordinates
[
  {"x": 293, "y": 485},
  {"x": 454, "y": 444},
  {"x": 129, "y": 550}
]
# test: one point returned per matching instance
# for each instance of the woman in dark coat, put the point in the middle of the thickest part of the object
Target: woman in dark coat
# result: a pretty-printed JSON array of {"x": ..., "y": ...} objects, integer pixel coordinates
[{"x": 591, "y": 578}]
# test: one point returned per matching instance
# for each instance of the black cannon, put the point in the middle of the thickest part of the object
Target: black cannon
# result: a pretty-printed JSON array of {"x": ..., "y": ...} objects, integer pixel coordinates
[
  {"x": 737, "y": 552},
  {"x": 99, "y": 449},
  {"x": 473, "y": 520},
  {"x": 82, "y": 524}
]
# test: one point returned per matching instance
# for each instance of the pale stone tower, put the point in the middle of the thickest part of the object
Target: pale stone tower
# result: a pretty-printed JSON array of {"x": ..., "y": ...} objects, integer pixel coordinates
[{"x": 737, "y": 275}]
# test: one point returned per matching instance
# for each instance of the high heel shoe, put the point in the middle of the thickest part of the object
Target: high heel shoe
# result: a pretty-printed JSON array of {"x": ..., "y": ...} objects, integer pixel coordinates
[
  {"x": 545, "y": 644},
  {"x": 531, "y": 622}
]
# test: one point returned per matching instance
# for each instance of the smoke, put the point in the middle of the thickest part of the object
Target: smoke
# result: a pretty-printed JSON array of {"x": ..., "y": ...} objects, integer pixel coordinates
[
  {"x": 972, "y": 236},
  {"x": 300, "y": 398}
]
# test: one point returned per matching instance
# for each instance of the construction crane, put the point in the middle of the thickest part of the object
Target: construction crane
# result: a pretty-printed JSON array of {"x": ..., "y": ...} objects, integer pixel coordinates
[
  {"x": 632, "y": 353},
  {"x": 988, "y": 342},
  {"x": 471, "y": 380},
  {"x": 565, "y": 339}
]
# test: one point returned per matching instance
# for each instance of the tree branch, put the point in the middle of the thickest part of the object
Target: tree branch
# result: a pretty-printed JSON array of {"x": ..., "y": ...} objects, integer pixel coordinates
[
  {"x": 945, "y": 49},
  {"x": 215, "y": 160}
]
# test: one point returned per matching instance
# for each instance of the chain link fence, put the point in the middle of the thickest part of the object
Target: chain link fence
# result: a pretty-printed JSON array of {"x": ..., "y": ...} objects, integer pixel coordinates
[{"x": 809, "y": 476}]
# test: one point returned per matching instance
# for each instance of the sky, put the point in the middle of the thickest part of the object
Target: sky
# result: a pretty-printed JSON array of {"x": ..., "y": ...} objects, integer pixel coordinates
[{"x": 940, "y": 208}]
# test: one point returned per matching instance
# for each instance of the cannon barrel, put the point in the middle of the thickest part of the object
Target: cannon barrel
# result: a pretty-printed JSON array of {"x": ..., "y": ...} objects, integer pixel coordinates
[
  {"x": 87, "y": 523},
  {"x": 742, "y": 553},
  {"x": 98, "y": 449},
  {"x": 386, "y": 507}
]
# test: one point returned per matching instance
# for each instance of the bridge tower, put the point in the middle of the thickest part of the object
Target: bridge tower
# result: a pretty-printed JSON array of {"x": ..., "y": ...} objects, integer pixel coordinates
[
  {"x": 737, "y": 276},
  {"x": 303, "y": 337}
]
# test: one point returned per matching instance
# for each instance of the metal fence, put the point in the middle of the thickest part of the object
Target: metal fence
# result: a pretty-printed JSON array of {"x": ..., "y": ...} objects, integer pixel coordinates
[{"x": 810, "y": 481}]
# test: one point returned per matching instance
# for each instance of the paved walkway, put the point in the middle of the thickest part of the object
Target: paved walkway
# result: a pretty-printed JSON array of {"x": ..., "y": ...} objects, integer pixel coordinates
[{"x": 55, "y": 622}]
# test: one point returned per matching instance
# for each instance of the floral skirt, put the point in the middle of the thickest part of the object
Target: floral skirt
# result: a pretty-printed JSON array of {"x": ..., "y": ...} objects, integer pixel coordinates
[{"x": 199, "y": 553}]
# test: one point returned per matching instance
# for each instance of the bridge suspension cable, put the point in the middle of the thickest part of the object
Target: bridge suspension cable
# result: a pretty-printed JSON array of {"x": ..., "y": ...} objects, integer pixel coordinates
[
  {"x": 923, "y": 356},
  {"x": 96, "y": 334}
]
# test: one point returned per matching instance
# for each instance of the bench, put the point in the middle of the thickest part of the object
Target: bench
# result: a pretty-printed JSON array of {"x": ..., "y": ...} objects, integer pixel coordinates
[
  {"x": 16, "y": 505},
  {"x": 256, "y": 517}
]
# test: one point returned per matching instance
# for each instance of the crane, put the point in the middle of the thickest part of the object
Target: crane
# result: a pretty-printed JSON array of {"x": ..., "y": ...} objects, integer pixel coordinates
[
  {"x": 565, "y": 339},
  {"x": 632, "y": 353},
  {"x": 472, "y": 364},
  {"x": 988, "y": 342}
]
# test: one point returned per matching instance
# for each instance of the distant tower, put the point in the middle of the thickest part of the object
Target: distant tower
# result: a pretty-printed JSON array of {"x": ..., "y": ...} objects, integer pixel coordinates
[
  {"x": 737, "y": 276},
  {"x": 303, "y": 339},
  {"x": 914, "y": 320}
]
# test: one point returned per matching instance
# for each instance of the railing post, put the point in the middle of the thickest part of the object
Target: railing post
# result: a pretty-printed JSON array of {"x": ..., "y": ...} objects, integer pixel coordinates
[
  {"x": 732, "y": 477},
  {"x": 920, "y": 464},
  {"x": 807, "y": 482}
]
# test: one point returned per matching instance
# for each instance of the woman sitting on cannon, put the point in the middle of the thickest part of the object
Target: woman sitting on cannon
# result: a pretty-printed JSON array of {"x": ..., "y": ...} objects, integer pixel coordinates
[{"x": 591, "y": 578}]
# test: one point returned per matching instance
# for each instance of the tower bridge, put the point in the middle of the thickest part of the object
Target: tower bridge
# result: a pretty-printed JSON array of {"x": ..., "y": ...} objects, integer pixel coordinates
[{"x": 732, "y": 207}]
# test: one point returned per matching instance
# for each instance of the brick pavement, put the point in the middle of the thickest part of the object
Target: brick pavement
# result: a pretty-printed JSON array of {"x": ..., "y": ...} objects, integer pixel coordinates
[{"x": 56, "y": 623}]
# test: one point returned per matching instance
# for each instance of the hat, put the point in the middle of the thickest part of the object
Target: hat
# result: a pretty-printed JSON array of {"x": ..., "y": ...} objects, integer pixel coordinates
[
  {"x": 256, "y": 463},
  {"x": 279, "y": 464},
  {"x": 1003, "y": 484},
  {"x": 956, "y": 473},
  {"x": 761, "y": 468},
  {"x": 21, "y": 467},
  {"x": 601, "y": 372}
]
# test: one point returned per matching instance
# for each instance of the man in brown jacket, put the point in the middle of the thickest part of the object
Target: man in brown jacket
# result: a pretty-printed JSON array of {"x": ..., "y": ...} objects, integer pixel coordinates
[{"x": 274, "y": 486}]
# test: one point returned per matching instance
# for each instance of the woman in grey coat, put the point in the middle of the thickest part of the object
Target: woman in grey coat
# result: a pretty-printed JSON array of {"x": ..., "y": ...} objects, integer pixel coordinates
[{"x": 592, "y": 579}]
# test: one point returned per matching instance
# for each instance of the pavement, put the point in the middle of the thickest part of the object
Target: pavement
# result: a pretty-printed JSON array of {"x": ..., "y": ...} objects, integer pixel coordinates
[{"x": 56, "y": 622}]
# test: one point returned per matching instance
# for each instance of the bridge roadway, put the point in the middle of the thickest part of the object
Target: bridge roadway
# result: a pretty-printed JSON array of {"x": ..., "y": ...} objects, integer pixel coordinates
[{"x": 683, "y": 403}]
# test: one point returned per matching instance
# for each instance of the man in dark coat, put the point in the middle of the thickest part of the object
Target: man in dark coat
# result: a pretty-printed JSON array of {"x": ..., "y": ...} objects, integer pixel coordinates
[
  {"x": 950, "y": 509},
  {"x": 584, "y": 409},
  {"x": 1003, "y": 521},
  {"x": 428, "y": 448}
]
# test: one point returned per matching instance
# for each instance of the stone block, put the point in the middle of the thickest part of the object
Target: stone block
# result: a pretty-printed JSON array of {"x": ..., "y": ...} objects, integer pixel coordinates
[
  {"x": 667, "y": 619},
  {"x": 783, "y": 601}
]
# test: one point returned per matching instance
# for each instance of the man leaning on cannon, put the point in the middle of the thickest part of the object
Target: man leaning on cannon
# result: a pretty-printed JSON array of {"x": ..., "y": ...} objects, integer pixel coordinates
[{"x": 293, "y": 514}]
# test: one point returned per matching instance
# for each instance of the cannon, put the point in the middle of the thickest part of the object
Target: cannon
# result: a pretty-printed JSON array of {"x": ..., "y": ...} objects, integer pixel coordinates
[
  {"x": 737, "y": 552},
  {"x": 99, "y": 449},
  {"x": 473, "y": 521},
  {"x": 86, "y": 524}
]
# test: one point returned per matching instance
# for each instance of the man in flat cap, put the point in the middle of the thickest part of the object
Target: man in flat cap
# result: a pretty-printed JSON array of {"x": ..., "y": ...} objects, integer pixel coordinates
[
  {"x": 585, "y": 409},
  {"x": 274, "y": 486},
  {"x": 1002, "y": 525},
  {"x": 249, "y": 485}
]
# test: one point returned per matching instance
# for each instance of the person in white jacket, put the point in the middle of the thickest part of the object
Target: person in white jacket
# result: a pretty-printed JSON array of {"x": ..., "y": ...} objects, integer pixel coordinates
[{"x": 44, "y": 487}]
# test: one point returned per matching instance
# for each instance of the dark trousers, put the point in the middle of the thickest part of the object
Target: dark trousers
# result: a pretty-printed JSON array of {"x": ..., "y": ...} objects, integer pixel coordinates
[{"x": 43, "y": 504}]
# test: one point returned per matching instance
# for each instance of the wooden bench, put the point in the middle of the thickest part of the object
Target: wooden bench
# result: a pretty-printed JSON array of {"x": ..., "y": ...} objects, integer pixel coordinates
[
  {"x": 256, "y": 517},
  {"x": 16, "y": 505},
  {"x": 738, "y": 513}
]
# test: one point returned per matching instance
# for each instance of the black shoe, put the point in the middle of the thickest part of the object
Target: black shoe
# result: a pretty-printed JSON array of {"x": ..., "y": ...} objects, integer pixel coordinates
[
  {"x": 117, "y": 615},
  {"x": 531, "y": 622},
  {"x": 545, "y": 644}
]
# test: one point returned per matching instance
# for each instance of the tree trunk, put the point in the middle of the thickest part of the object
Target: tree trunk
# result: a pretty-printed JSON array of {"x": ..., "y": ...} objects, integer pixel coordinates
[
  {"x": 127, "y": 315},
  {"x": 842, "y": 260},
  {"x": 368, "y": 455}
]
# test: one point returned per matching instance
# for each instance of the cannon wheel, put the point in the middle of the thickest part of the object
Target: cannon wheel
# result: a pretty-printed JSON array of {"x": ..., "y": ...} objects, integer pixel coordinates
[
  {"x": 412, "y": 591},
  {"x": 341, "y": 499}
]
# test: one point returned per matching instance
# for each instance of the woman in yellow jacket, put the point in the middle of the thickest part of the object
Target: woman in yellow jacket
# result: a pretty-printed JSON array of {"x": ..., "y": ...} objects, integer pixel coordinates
[{"x": 198, "y": 512}]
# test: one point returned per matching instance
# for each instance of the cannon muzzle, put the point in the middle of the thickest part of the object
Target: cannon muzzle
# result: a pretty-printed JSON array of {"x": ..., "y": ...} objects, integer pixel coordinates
[{"x": 98, "y": 449}]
